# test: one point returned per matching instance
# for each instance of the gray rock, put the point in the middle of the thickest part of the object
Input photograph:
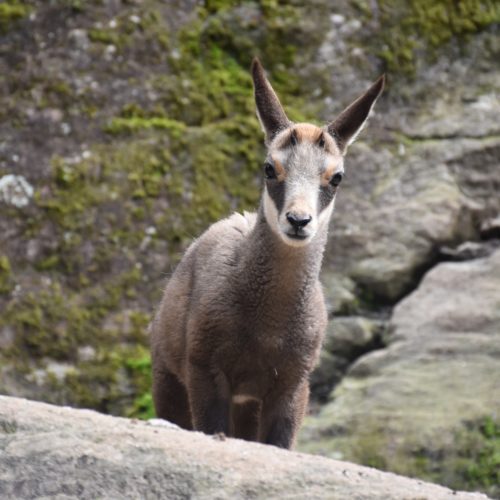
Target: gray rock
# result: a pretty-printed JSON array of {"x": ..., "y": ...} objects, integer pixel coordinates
[
  {"x": 417, "y": 406},
  {"x": 79, "y": 39},
  {"x": 15, "y": 190},
  {"x": 468, "y": 250},
  {"x": 52, "y": 452},
  {"x": 423, "y": 174},
  {"x": 394, "y": 212},
  {"x": 490, "y": 228},
  {"x": 346, "y": 339}
]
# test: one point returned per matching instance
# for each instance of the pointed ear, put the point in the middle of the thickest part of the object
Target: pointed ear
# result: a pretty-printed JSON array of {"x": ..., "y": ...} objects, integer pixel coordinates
[
  {"x": 269, "y": 110},
  {"x": 346, "y": 127}
]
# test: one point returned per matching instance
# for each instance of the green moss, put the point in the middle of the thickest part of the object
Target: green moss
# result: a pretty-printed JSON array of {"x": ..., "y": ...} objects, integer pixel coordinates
[
  {"x": 5, "y": 275},
  {"x": 10, "y": 12},
  {"x": 472, "y": 462},
  {"x": 8, "y": 426},
  {"x": 46, "y": 324},
  {"x": 147, "y": 28},
  {"x": 409, "y": 29},
  {"x": 105, "y": 36},
  {"x": 53, "y": 325},
  {"x": 369, "y": 447},
  {"x": 99, "y": 383},
  {"x": 477, "y": 458},
  {"x": 140, "y": 371},
  {"x": 132, "y": 124}
]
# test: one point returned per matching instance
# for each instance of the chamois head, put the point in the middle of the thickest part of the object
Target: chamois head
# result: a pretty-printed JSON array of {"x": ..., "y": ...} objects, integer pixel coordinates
[{"x": 305, "y": 163}]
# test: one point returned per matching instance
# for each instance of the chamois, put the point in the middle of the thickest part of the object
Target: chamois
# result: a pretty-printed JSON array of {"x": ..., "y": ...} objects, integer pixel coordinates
[{"x": 242, "y": 318}]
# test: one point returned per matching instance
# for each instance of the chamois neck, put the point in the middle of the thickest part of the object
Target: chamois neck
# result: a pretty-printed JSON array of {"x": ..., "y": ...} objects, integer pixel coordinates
[{"x": 284, "y": 265}]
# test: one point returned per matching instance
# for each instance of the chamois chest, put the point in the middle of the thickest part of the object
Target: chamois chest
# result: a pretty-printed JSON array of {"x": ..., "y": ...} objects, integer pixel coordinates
[{"x": 266, "y": 350}]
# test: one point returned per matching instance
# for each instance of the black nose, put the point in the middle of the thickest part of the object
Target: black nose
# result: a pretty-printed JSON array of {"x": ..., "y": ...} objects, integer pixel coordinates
[{"x": 298, "y": 221}]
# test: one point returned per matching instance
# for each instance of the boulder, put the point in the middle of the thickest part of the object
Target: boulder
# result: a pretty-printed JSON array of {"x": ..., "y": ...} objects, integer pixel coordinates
[
  {"x": 428, "y": 404},
  {"x": 53, "y": 452},
  {"x": 346, "y": 339}
]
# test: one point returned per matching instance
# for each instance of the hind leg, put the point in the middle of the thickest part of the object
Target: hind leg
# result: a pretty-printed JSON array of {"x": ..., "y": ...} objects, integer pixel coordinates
[
  {"x": 171, "y": 399},
  {"x": 245, "y": 417}
]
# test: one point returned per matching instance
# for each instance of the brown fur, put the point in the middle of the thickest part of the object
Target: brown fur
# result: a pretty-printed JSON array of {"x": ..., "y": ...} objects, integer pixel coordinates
[
  {"x": 308, "y": 132},
  {"x": 240, "y": 325},
  {"x": 280, "y": 169}
]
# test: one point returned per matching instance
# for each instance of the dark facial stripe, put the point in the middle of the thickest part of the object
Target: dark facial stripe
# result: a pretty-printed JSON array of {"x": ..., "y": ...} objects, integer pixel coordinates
[
  {"x": 276, "y": 190},
  {"x": 326, "y": 194}
]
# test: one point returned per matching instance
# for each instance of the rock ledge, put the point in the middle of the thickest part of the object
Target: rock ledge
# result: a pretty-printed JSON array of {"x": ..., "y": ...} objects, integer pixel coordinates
[{"x": 63, "y": 453}]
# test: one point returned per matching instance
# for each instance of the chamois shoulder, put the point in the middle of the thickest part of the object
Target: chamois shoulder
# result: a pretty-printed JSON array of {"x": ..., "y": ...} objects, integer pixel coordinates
[
  {"x": 235, "y": 226},
  {"x": 223, "y": 239},
  {"x": 230, "y": 231}
]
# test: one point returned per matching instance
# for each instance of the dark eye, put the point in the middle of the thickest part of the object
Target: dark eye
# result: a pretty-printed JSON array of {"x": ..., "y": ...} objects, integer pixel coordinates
[
  {"x": 336, "y": 179},
  {"x": 269, "y": 171}
]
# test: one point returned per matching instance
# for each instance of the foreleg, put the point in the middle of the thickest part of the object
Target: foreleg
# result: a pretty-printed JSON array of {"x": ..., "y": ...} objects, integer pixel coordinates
[
  {"x": 170, "y": 399},
  {"x": 209, "y": 400},
  {"x": 282, "y": 415}
]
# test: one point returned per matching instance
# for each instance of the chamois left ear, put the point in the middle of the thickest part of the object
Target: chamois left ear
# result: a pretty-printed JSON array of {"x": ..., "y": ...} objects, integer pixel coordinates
[{"x": 346, "y": 127}]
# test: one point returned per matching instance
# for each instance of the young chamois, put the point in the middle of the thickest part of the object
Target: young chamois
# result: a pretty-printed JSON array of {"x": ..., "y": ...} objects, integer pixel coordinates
[{"x": 240, "y": 325}]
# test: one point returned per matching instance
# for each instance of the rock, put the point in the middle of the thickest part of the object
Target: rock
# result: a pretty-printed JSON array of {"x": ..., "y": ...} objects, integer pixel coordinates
[
  {"x": 79, "y": 39},
  {"x": 423, "y": 174},
  {"x": 468, "y": 250},
  {"x": 54, "y": 452},
  {"x": 15, "y": 190},
  {"x": 424, "y": 405},
  {"x": 352, "y": 336},
  {"x": 446, "y": 119},
  {"x": 340, "y": 293},
  {"x": 393, "y": 213},
  {"x": 490, "y": 228},
  {"x": 346, "y": 339}
]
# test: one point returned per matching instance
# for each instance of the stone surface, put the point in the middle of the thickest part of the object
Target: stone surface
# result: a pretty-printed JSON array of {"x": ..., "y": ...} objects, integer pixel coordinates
[
  {"x": 439, "y": 376},
  {"x": 346, "y": 339},
  {"x": 53, "y": 452},
  {"x": 469, "y": 250},
  {"x": 490, "y": 228}
]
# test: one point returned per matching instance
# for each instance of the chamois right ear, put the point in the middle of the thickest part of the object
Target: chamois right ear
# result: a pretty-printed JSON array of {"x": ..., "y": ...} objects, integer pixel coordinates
[{"x": 271, "y": 115}]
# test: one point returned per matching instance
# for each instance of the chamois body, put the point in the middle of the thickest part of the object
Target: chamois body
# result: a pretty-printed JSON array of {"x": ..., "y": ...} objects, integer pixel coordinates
[
  {"x": 240, "y": 325},
  {"x": 248, "y": 327}
]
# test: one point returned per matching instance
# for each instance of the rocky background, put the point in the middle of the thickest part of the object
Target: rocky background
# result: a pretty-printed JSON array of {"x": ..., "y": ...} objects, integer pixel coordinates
[{"x": 127, "y": 126}]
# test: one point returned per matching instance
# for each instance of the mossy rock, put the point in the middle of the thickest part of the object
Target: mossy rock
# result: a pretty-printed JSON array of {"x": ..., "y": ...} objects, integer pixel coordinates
[
  {"x": 12, "y": 11},
  {"x": 412, "y": 33},
  {"x": 110, "y": 220}
]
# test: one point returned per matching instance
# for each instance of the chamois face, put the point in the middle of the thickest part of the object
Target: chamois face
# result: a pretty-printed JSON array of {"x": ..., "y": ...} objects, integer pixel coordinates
[
  {"x": 304, "y": 165},
  {"x": 303, "y": 170}
]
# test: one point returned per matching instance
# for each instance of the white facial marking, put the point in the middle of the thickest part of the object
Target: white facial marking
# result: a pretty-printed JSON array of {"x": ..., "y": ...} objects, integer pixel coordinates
[{"x": 301, "y": 197}]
